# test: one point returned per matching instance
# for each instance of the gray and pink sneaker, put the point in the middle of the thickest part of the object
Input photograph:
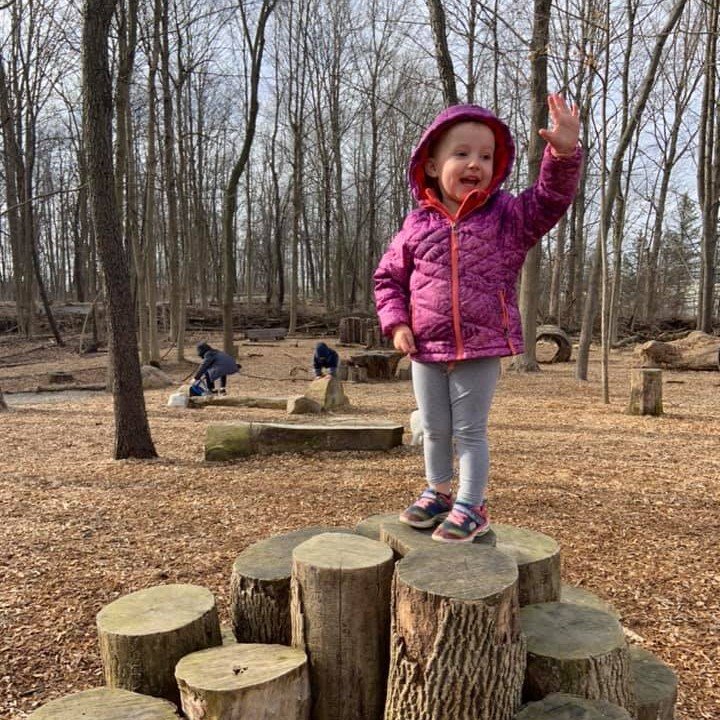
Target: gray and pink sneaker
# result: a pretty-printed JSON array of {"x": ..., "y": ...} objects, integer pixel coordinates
[
  {"x": 429, "y": 509},
  {"x": 463, "y": 524}
]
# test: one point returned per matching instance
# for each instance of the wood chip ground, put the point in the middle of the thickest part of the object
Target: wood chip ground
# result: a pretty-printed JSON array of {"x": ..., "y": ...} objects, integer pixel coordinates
[{"x": 633, "y": 502}]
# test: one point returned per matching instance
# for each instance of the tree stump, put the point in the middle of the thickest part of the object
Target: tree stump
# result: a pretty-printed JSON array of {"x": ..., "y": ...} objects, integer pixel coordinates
[
  {"x": 655, "y": 686},
  {"x": 559, "y": 706},
  {"x": 106, "y": 704},
  {"x": 262, "y": 682},
  {"x": 260, "y": 587},
  {"x": 538, "y": 560},
  {"x": 340, "y": 603},
  {"x": 235, "y": 440},
  {"x": 580, "y": 596},
  {"x": 576, "y": 650},
  {"x": 370, "y": 526},
  {"x": 380, "y": 364},
  {"x": 645, "y": 392},
  {"x": 456, "y": 650},
  {"x": 404, "y": 539},
  {"x": 144, "y": 634}
]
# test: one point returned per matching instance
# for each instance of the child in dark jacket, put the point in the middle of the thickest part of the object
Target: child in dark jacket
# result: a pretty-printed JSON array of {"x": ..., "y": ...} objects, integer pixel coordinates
[
  {"x": 445, "y": 291},
  {"x": 216, "y": 365},
  {"x": 325, "y": 358}
]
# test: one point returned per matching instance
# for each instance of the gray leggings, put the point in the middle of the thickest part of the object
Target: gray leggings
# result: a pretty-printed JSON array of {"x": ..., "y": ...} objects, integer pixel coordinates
[{"x": 454, "y": 402}]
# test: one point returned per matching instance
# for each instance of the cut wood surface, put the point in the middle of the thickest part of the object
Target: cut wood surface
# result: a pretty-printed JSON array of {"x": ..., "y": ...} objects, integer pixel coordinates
[
  {"x": 576, "y": 650},
  {"x": 456, "y": 648},
  {"x": 144, "y": 634},
  {"x": 656, "y": 686},
  {"x": 340, "y": 608},
  {"x": 580, "y": 596},
  {"x": 538, "y": 560},
  {"x": 559, "y": 706},
  {"x": 697, "y": 351},
  {"x": 370, "y": 526},
  {"x": 107, "y": 704},
  {"x": 260, "y": 587},
  {"x": 403, "y": 538},
  {"x": 258, "y": 682},
  {"x": 236, "y": 440}
]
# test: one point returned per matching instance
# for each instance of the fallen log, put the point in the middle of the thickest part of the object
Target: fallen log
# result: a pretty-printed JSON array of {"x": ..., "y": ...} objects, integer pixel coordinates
[
  {"x": 697, "y": 351},
  {"x": 555, "y": 334}
]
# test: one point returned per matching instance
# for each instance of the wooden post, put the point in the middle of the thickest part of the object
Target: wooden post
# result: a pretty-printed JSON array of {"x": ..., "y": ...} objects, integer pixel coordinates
[
  {"x": 340, "y": 603},
  {"x": 456, "y": 650},
  {"x": 260, "y": 587},
  {"x": 106, "y": 704},
  {"x": 645, "y": 392},
  {"x": 144, "y": 634},
  {"x": 576, "y": 650},
  {"x": 262, "y": 682}
]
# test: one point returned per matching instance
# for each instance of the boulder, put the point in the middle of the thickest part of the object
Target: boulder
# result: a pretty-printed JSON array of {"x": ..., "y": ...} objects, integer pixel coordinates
[
  {"x": 328, "y": 393},
  {"x": 154, "y": 379},
  {"x": 301, "y": 405}
]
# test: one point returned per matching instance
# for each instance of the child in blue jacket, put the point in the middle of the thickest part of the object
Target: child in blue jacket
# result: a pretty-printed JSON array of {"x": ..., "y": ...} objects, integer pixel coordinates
[{"x": 216, "y": 365}]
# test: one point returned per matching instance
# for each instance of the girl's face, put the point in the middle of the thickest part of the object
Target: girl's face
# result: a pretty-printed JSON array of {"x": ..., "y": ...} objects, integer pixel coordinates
[{"x": 462, "y": 161}]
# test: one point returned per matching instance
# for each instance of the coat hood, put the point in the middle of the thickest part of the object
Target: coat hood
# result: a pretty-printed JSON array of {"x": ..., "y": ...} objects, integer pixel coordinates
[{"x": 504, "y": 148}]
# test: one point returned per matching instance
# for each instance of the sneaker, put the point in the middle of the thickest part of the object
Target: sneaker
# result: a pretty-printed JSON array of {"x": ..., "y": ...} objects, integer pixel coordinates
[
  {"x": 429, "y": 509},
  {"x": 222, "y": 391},
  {"x": 463, "y": 524}
]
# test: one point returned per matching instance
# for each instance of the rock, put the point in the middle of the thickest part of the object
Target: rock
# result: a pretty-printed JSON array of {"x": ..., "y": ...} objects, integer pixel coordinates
[
  {"x": 301, "y": 405},
  {"x": 328, "y": 393},
  {"x": 154, "y": 379}
]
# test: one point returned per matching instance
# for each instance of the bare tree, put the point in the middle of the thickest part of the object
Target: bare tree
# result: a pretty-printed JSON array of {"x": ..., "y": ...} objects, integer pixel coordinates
[
  {"x": 443, "y": 58},
  {"x": 132, "y": 432}
]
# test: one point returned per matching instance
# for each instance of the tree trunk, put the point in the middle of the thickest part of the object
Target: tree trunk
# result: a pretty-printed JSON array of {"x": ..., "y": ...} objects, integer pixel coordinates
[
  {"x": 132, "y": 433},
  {"x": 442, "y": 52}
]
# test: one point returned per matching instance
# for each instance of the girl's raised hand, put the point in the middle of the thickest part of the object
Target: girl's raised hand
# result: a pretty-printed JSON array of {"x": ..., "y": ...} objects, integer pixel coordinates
[{"x": 563, "y": 135}]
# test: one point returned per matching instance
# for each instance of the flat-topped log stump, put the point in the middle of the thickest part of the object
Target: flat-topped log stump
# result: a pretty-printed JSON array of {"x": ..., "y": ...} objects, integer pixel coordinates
[
  {"x": 645, "y": 392},
  {"x": 370, "y": 526},
  {"x": 260, "y": 587},
  {"x": 106, "y": 704},
  {"x": 580, "y": 596},
  {"x": 262, "y": 682},
  {"x": 538, "y": 559},
  {"x": 559, "y": 706},
  {"x": 144, "y": 634},
  {"x": 340, "y": 607},
  {"x": 656, "y": 686},
  {"x": 404, "y": 539},
  {"x": 576, "y": 650},
  {"x": 456, "y": 650},
  {"x": 235, "y": 440}
]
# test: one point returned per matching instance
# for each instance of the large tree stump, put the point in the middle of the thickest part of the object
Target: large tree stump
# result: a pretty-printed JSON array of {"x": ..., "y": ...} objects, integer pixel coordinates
[
  {"x": 697, "y": 351},
  {"x": 144, "y": 634},
  {"x": 380, "y": 364},
  {"x": 233, "y": 682},
  {"x": 559, "y": 706},
  {"x": 370, "y": 526},
  {"x": 340, "y": 602},
  {"x": 404, "y": 539},
  {"x": 656, "y": 686},
  {"x": 538, "y": 560},
  {"x": 576, "y": 650},
  {"x": 106, "y": 704},
  {"x": 235, "y": 440},
  {"x": 456, "y": 650},
  {"x": 260, "y": 587},
  {"x": 645, "y": 392}
]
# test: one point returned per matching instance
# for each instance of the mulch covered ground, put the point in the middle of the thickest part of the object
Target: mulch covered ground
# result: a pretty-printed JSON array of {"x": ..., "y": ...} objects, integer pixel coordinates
[{"x": 633, "y": 502}]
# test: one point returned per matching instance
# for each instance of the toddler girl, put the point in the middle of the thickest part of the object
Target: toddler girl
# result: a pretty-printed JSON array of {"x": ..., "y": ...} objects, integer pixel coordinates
[{"x": 445, "y": 291}]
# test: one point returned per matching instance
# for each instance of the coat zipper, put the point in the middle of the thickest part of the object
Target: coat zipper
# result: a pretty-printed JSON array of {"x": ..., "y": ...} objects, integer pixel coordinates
[
  {"x": 455, "y": 290},
  {"x": 506, "y": 321}
]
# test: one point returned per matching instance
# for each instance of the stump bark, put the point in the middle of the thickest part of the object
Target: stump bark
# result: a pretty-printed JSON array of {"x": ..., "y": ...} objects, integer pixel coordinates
[
  {"x": 456, "y": 649},
  {"x": 106, "y": 704},
  {"x": 404, "y": 539},
  {"x": 559, "y": 706},
  {"x": 656, "y": 686},
  {"x": 260, "y": 587},
  {"x": 233, "y": 682},
  {"x": 235, "y": 440},
  {"x": 576, "y": 650},
  {"x": 645, "y": 392},
  {"x": 340, "y": 606},
  {"x": 144, "y": 634},
  {"x": 538, "y": 560}
]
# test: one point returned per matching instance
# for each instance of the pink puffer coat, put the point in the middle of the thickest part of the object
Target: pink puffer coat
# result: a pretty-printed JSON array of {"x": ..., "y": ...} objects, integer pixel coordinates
[{"x": 453, "y": 279}]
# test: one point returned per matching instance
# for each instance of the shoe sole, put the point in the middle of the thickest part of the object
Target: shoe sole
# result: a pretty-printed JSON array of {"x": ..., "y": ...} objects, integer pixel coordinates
[
  {"x": 469, "y": 538},
  {"x": 424, "y": 524}
]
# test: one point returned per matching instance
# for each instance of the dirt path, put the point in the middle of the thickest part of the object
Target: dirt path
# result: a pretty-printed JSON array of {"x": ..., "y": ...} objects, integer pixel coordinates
[{"x": 633, "y": 502}]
